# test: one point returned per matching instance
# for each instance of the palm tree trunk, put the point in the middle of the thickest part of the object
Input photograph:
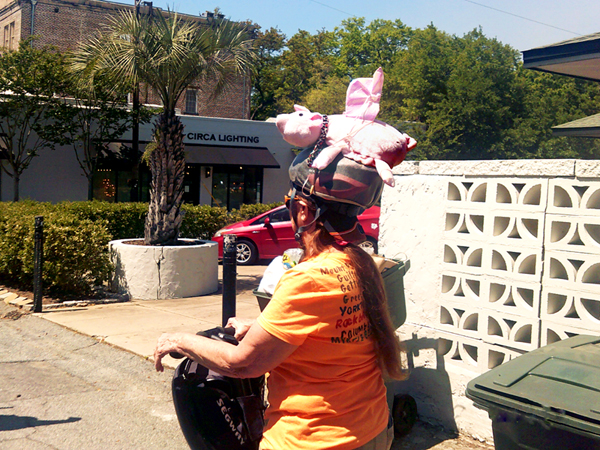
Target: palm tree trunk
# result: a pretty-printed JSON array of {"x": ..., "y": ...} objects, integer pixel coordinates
[{"x": 167, "y": 169}]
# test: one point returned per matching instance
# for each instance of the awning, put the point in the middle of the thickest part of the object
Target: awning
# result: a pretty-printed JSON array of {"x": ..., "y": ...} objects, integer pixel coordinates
[
  {"x": 210, "y": 155},
  {"x": 578, "y": 57},
  {"x": 239, "y": 156},
  {"x": 586, "y": 127}
]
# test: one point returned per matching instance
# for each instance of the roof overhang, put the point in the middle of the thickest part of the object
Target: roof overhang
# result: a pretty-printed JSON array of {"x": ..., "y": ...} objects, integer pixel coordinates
[
  {"x": 586, "y": 127},
  {"x": 579, "y": 57}
]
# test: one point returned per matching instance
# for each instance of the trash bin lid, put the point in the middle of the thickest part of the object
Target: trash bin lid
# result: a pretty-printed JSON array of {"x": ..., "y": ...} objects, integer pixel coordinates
[{"x": 559, "y": 383}]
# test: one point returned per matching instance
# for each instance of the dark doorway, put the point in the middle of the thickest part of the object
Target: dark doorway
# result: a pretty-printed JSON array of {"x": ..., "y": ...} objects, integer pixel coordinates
[{"x": 191, "y": 184}]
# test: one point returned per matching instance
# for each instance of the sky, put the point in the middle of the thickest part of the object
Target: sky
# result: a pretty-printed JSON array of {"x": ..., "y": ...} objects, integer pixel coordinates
[{"x": 523, "y": 24}]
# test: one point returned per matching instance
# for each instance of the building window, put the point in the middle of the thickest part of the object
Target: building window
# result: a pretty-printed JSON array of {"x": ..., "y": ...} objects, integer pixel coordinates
[
  {"x": 12, "y": 36},
  {"x": 9, "y": 36},
  {"x": 114, "y": 185},
  {"x": 191, "y": 105},
  {"x": 234, "y": 186}
]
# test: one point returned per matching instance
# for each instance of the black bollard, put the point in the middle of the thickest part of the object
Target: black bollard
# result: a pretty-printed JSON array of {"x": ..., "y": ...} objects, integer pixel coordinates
[
  {"x": 38, "y": 262},
  {"x": 229, "y": 276}
]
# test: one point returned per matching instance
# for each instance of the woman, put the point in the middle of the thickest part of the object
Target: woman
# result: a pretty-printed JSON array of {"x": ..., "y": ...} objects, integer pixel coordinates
[{"x": 325, "y": 337}]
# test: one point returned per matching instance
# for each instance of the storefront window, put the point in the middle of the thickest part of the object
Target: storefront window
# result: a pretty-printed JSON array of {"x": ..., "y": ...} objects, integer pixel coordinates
[
  {"x": 114, "y": 185},
  {"x": 220, "y": 182},
  {"x": 236, "y": 189},
  {"x": 233, "y": 186},
  {"x": 105, "y": 185}
]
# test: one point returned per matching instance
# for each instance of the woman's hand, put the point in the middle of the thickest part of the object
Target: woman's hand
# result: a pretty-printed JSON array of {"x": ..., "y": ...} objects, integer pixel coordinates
[
  {"x": 241, "y": 326},
  {"x": 167, "y": 343},
  {"x": 256, "y": 354}
]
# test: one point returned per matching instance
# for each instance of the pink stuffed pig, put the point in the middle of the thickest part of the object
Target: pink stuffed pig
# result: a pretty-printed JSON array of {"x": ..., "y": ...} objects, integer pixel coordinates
[{"x": 356, "y": 133}]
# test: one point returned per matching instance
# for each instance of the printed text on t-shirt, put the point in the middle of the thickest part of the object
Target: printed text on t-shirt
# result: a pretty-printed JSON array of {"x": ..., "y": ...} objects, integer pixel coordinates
[{"x": 352, "y": 325}]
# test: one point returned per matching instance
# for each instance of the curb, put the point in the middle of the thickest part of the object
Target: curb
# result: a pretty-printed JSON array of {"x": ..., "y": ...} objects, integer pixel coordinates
[{"x": 25, "y": 303}]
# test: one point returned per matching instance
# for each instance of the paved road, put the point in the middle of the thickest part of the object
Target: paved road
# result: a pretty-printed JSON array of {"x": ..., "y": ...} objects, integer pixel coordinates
[{"x": 60, "y": 390}]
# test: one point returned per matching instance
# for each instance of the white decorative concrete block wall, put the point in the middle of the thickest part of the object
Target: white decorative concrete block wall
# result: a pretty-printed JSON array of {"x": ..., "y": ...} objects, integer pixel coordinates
[{"x": 505, "y": 258}]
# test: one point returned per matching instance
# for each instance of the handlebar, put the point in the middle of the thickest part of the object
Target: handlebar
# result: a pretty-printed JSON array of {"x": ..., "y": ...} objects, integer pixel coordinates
[{"x": 217, "y": 333}]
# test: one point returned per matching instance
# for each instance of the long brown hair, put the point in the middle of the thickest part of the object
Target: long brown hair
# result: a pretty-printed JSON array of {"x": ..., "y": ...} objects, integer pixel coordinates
[{"x": 388, "y": 347}]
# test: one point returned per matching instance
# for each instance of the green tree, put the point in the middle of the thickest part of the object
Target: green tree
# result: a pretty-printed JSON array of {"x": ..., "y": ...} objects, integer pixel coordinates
[
  {"x": 482, "y": 99},
  {"x": 461, "y": 97},
  {"x": 307, "y": 62},
  {"x": 268, "y": 73},
  {"x": 329, "y": 97},
  {"x": 362, "y": 48},
  {"x": 29, "y": 80},
  {"x": 356, "y": 50},
  {"x": 550, "y": 100},
  {"x": 88, "y": 121},
  {"x": 167, "y": 54}
]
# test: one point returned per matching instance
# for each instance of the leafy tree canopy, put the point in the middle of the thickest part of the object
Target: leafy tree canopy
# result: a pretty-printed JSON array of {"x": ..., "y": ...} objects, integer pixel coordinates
[
  {"x": 30, "y": 81},
  {"x": 461, "y": 97}
]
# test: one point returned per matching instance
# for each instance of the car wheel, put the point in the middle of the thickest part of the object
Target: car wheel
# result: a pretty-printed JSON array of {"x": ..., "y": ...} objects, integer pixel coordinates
[
  {"x": 246, "y": 253},
  {"x": 369, "y": 246}
]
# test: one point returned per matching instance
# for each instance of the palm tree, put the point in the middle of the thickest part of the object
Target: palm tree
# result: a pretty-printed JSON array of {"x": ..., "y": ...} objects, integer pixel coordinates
[{"x": 167, "y": 54}]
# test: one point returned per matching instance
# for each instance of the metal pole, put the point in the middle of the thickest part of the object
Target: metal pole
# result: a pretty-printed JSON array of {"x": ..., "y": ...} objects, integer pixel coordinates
[
  {"x": 38, "y": 261},
  {"x": 229, "y": 276},
  {"x": 135, "y": 130}
]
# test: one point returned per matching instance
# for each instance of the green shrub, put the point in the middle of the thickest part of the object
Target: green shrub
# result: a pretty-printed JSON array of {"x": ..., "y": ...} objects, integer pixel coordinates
[
  {"x": 76, "y": 236},
  {"x": 125, "y": 220},
  {"x": 202, "y": 221},
  {"x": 75, "y": 251},
  {"x": 248, "y": 211}
]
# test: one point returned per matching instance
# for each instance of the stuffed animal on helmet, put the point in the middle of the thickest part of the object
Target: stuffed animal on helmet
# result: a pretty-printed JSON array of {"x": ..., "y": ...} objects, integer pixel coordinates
[{"x": 356, "y": 133}]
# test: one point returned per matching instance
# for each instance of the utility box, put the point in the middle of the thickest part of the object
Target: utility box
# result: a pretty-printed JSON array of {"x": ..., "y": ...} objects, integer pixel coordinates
[{"x": 548, "y": 399}]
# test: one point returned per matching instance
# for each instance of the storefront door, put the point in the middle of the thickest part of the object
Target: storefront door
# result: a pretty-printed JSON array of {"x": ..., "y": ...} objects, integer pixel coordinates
[{"x": 233, "y": 186}]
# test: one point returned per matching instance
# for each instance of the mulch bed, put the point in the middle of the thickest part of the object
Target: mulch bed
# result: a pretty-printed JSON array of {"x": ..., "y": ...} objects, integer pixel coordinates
[
  {"x": 49, "y": 299},
  {"x": 46, "y": 300}
]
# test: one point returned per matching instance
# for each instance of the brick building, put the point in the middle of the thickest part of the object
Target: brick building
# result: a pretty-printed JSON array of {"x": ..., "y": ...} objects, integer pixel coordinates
[
  {"x": 65, "y": 23},
  {"x": 217, "y": 171}
]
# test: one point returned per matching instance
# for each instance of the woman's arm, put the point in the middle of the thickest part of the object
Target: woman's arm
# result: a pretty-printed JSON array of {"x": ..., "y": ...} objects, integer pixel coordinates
[{"x": 255, "y": 355}]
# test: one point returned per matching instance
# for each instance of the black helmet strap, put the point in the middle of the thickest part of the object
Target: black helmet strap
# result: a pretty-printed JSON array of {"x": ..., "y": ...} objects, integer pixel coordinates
[{"x": 320, "y": 210}]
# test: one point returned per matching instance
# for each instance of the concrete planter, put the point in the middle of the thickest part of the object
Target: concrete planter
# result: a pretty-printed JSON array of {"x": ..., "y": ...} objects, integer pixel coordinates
[{"x": 152, "y": 273}]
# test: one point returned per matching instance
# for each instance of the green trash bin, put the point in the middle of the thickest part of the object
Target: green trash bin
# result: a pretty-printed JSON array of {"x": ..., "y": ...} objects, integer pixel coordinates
[
  {"x": 393, "y": 280},
  {"x": 263, "y": 298},
  {"x": 547, "y": 399}
]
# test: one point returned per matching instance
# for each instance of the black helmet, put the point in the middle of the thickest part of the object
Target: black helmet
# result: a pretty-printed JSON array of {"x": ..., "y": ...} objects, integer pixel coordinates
[
  {"x": 341, "y": 191},
  {"x": 347, "y": 186}
]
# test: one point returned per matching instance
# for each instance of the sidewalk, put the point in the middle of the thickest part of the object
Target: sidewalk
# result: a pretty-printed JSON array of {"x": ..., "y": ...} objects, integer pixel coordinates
[{"x": 136, "y": 325}]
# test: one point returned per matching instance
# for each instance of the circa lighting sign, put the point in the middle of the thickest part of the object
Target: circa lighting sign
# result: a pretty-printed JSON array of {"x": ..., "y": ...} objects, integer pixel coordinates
[{"x": 211, "y": 137}]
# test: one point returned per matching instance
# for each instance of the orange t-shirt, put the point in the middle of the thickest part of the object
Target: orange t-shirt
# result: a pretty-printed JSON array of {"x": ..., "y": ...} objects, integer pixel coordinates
[{"x": 329, "y": 393}]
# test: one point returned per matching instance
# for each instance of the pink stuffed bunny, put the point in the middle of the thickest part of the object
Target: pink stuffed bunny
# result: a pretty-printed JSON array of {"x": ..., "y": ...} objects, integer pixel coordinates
[{"x": 356, "y": 133}]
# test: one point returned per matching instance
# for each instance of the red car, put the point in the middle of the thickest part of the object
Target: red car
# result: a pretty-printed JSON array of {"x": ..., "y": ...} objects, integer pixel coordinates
[{"x": 268, "y": 235}]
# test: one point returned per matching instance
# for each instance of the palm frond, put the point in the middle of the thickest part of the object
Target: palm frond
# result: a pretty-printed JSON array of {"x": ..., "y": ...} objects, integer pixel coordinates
[{"x": 166, "y": 53}]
